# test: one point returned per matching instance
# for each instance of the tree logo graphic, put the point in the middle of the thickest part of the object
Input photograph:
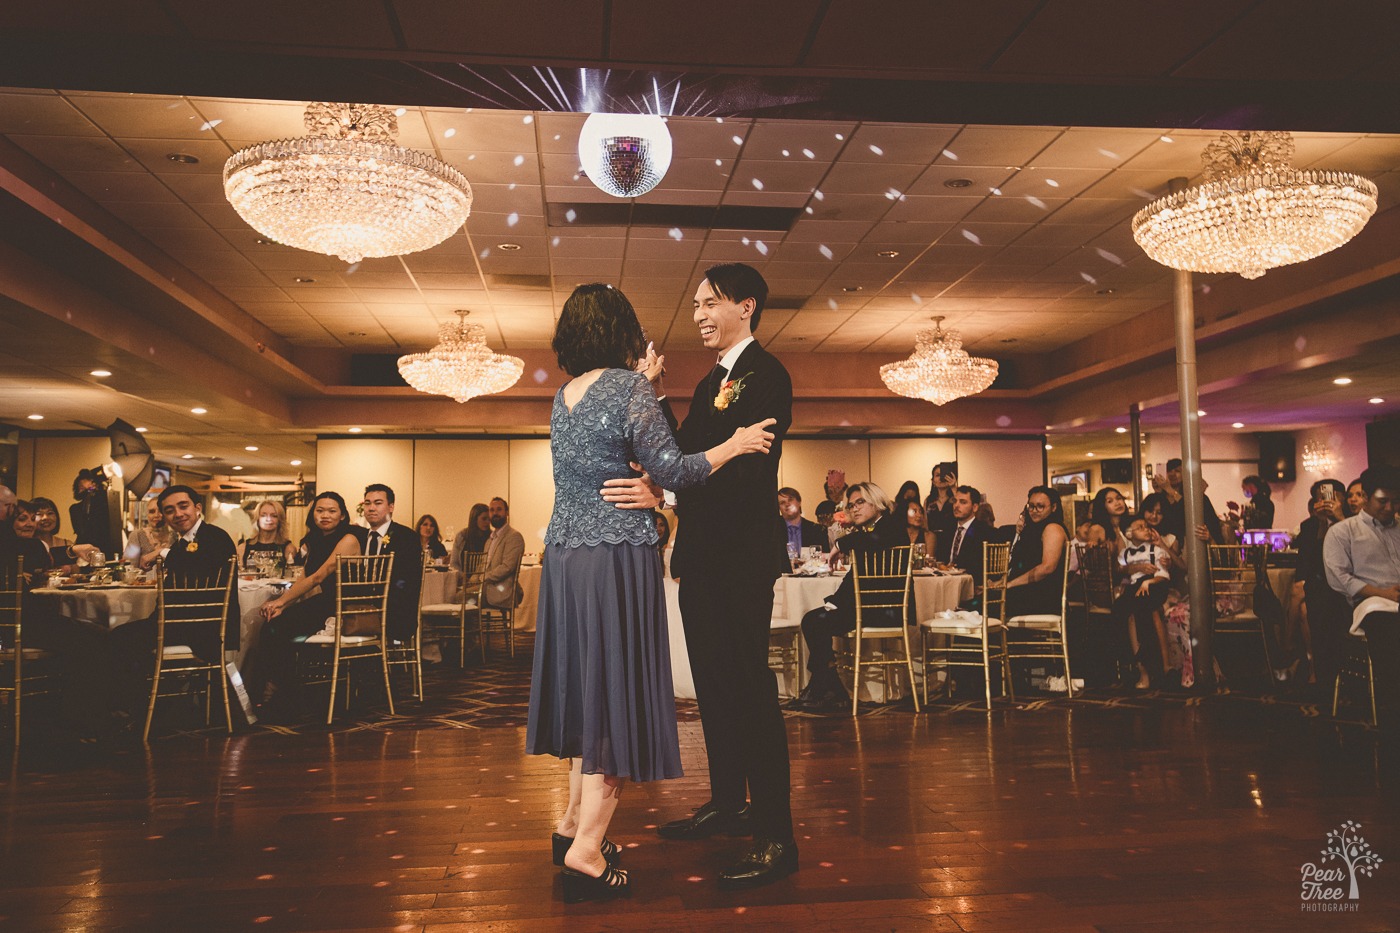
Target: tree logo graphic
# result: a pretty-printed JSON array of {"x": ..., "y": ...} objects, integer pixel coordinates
[{"x": 1327, "y": 884}]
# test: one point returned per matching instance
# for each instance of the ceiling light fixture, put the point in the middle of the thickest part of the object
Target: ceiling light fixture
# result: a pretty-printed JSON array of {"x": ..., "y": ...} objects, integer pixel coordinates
[
  {"x": 187, "y": 456},
  {"x": 141, "y": 430},
  {"x": 1376, "y": 401},
  {"x": 1317, "y": 457},
  {"x": 1237, "y": 425},
  {"x": 303, "y": 280},
  {"x": 508, "y": 247},
  {"x": 356, "y": 430},
  {"x": 36, "y": 417},
  {"x": 296, "y": 463},
  {"x": 888, "y": 254},
  {"x": 1120, "y": 430},
  {"x": 250, "y": 448},
  {"x": 1104, "y": 291},
  {"x": 1342, "y": 381},
  {"x": 940, "y": 430},
  {"x": 346, "y": 189},
  {"x": 199, "y": 411},
  {"x": 184, "y": 158},
  {"x": 1254, "y": 211},
  {"x": 238, "y": 468},
  {"x": 1089, "y": 454},
  {"x": 958, "y": 183},
  {"x": 100, "y": 373},
  {"x": 852, "y": 288},
  {"x": 624, "y": 154},
  {"x": 939, "y": 370},
  {"x": 1049, "y": 446},
  {"x": 461, "y": 366}
]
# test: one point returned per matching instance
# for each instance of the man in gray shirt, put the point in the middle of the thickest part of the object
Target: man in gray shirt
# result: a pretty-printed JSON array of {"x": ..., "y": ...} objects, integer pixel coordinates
[{"x": 1361, "y": 555}]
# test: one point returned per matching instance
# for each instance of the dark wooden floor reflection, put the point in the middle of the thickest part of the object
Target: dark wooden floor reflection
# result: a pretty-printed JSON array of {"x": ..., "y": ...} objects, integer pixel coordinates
[{"x": 1044, "y": 819}]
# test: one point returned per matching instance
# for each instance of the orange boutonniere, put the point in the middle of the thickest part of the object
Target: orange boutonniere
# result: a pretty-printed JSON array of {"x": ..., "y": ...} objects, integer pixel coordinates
[
  {"x": 729, "y": 392},
  {"x": 191, "y": 547}
]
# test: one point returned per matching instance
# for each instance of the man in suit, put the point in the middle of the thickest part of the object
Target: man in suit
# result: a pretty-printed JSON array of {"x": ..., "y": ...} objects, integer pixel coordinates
[
  {"x": 963, "y": 549},
  {"x": 730, "y": 549},
  {"x": 870, "y": 513},
  {"x": 504, "y": 548},
  {"x": 387, "y": 536},
  {"x": 801, "y": 532}
]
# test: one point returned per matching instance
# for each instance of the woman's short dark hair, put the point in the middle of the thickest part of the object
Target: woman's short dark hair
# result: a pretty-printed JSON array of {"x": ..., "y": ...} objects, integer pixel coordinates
[
  {"x": 1057, "y": 512},
  {"x": 1155, "y": 500},
  {"x": 738, "y": 282},
  {"x": 334, "y": 497},
  {"x": 597, "y": 329},
  {"x": 44, "y": 502}
]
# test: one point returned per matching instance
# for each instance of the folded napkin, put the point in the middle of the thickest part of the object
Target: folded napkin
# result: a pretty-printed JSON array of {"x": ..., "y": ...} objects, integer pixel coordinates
[{"x": 1369, "y": 605}]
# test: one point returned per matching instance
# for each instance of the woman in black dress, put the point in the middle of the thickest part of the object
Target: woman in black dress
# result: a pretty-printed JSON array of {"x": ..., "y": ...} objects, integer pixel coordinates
[
  {"x": 1037, "y": 568},
  {"x": 269, "y": 538}
]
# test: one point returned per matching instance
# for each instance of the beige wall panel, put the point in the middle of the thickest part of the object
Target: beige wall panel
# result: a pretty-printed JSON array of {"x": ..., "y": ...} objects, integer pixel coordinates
[
  {"x": 895, "y": 460},
  {"x": 47, "y": 466},
  {"x": 805, "y": 462},
  {"x": 1003, "y": 471},
  {"x": 449, "y": 476},
  {"x": 348, "y": 465},
  {"x": 531, "y": 493}
]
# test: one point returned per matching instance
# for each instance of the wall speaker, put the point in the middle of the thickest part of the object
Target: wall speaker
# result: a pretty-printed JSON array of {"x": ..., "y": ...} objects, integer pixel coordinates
[{"x": 1278, "y": 455}]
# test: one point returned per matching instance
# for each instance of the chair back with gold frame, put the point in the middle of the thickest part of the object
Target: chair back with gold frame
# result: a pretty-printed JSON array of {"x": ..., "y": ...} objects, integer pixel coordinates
[
  {"x": 502, "y": 618},
  {"x": 1096, "y": 578},
  {"x": 1050, "y": 642},
  {"x": 361, "y": 622},
  {"x": 448, "y": 621},
  {"x": 24, "y": 672},
  {"x": 882, "y": 582},
  {"x": 188, "y": 606},
  {"x": 959, "y": 630},
  {"x": 1235, "y": 571}
]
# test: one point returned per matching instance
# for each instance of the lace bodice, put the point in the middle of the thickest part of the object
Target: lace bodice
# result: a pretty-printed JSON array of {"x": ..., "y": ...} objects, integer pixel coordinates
[{"x": 617, "y": 420}]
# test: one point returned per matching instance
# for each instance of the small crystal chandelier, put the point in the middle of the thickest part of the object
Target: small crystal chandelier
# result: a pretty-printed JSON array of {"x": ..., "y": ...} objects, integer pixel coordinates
[
  {"x": 461, "y": 365},
  {"x": 1317, "y": 457},
  {"x": 1254, "y": 211},
  {"x": 347, "y": 189},
  {"x": 625, "y": 154},
  {"x": 940, "y": 369}
]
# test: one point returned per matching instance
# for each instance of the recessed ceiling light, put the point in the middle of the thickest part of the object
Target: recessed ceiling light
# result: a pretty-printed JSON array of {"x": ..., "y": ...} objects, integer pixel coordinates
[
  {"x": 187, "y": 456},
  {"x": 1376, "y": 401},
  {"x": 1342, "y": 381},
  {"x": 238, "y": 468},
  {"x": 1104, "y": 291},
  {"x": 304, "y": 279},
  {"x": 100, "y": 373},
  {"x": 1200, "y": 414},
  {"x": 356, "y": 430},
  {"x": 1121, "y": 430},
  {"x": 142, "y": 430},
  {"x": 852, "y": 288},
  {"x": 888, "y": 253},
  {"x": 1089, "y": 454},
  {"x": 508, "y": 247},
  {"x": 250, "y": 448},
  {"x": 264, "y": 241},
  {"x": 1237, "y": 424},
  {"x": 940, "y": 430},
  {"x": 199, "y": 411},
  {"x": 355, "y": 333},
  {"x": 1009, "y": 339},
  {"x": 958, "y": 183},
  {"x": 1049, "y": 446},
  {"x": 184, "y": 158},
  {"x": 296, "y": 463},
  {"x": 1166, "y": 139},
  {"x": 36, "y": 417}
]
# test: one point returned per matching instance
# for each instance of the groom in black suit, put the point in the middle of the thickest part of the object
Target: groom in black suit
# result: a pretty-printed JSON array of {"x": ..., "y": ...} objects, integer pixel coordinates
[
  {"x": 730, "y": 549},
  {"x": 386, "y": 536}
]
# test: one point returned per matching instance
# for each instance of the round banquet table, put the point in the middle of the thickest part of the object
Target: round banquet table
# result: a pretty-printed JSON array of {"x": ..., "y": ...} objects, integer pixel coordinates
[
  {"x": 441, "y": 587},
  {"x": 794, "y": 597}
]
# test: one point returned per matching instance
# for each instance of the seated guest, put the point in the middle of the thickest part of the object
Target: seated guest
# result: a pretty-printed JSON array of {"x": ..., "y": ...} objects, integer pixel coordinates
[
  {"x": 1108, "y": 519},
  {"x": 801, "y": 533},
  {"x": 270, "y": 537},
  {"x": 199, "y": 551},
  {"x": 964, "y": 549},
  {"x": 1361, "y": 555},
  {"x": 1171, "y": 485},
  {"x": 504, "y": 549},
  {"x": 916, "y": 526},
  {"x": 387, "y": 536},
  {"x": 473, "y": 537},
  {"x": 430, "y": 537},
  {"x": 909, "y": 492},
  {"x": 303, "y": 609},
  {"x": 24, "y": 525},
  {"x": 1146, "y": 567},
  {"x": 46, "y": 511},
  {"x": 875, "y": 528},
  {"x": 1036, "y": 572},
  {"x": 151, "y": 540}
]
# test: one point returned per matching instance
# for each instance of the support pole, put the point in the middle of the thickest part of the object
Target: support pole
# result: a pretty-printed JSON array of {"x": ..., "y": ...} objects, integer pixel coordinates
[
  {"x": 1192, "y": 486},
  {"x": 1135, "y": 427}
]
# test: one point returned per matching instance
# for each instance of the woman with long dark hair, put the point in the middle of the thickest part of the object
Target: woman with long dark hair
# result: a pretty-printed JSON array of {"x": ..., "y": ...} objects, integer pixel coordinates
[
  {"x": 1037, "y": 569},
  {"x": 1109, "y": 520},
  {"x": 430, "y": 537},
  {"x": 601, "y": 694}
]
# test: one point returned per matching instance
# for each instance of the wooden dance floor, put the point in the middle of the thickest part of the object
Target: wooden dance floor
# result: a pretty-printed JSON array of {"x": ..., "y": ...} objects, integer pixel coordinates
[{"x": 1133, "y": 815}]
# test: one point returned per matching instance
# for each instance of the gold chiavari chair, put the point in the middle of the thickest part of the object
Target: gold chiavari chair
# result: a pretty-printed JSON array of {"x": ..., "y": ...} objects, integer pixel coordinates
[
  {"x": 1235, "y": 571},
  {"x": 24, "y": 672},
  {"x": 449, "y": 621},
  {"x": 1356, "y": 665},
  {"x": 785, "y": 642},
  {"x": 185, "y": 605},
  {"x": 495, "y": 617},
  {"x": 361, "y": 623},
  {"x": 1048, "y": 630},
  {"x": 882, "y": 581},
  {"x": 961, "y": 631}
]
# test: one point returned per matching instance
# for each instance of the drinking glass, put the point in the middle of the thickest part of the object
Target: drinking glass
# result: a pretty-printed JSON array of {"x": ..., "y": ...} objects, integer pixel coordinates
[{"x": 794, "y": 557}]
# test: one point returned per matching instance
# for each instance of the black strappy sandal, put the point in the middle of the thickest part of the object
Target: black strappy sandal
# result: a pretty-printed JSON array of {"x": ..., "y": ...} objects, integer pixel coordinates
[
  {"x": 611, "y": 851},
  {"x": 578, "y": 887}
]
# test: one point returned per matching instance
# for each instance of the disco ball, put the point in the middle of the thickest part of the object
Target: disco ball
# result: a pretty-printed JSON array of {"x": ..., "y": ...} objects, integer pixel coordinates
[{"x": 625, "y": 154}]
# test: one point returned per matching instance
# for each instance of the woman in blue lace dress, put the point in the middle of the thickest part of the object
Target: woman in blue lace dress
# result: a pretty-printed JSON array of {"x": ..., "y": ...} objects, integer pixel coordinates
[{"x": 601, "y": 694}]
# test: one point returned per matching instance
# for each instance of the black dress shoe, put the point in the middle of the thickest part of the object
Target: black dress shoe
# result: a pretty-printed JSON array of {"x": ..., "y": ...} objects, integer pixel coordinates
[
  {"x": 765, "y": 863},
  {"x": 708, "y": 820}
]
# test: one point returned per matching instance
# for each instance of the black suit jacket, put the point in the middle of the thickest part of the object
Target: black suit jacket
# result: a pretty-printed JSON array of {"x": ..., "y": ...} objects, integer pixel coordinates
[
  {"x": 184, "y": 566},
  {"x": 729, "y": 525},
  {"x": 969, "y": 556},
  {"x": 405, "y": 577},
  {"x": 889, "y": 532}
]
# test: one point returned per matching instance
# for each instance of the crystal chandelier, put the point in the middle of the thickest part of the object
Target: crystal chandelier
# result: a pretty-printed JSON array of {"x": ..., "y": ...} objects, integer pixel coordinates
[
  {"x": 940, "y": 369},
  {"x": 1317, "y": 457},
  {"x": 461, "y": 365},
  {"x": 346, "y": 189},
  {"x": 1254, "y": 211},
  {"x": 625, "y": 154}
]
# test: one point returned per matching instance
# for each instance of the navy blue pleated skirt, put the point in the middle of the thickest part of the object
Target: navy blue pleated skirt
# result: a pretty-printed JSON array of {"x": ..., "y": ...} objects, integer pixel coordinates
[{"x": 602, "y": 683}]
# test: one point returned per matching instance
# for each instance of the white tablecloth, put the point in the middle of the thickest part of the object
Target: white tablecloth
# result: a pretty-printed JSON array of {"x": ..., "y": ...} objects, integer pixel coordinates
[
  {"x": 794, "y": 597},
  {"x": 441, "y": 587}
]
